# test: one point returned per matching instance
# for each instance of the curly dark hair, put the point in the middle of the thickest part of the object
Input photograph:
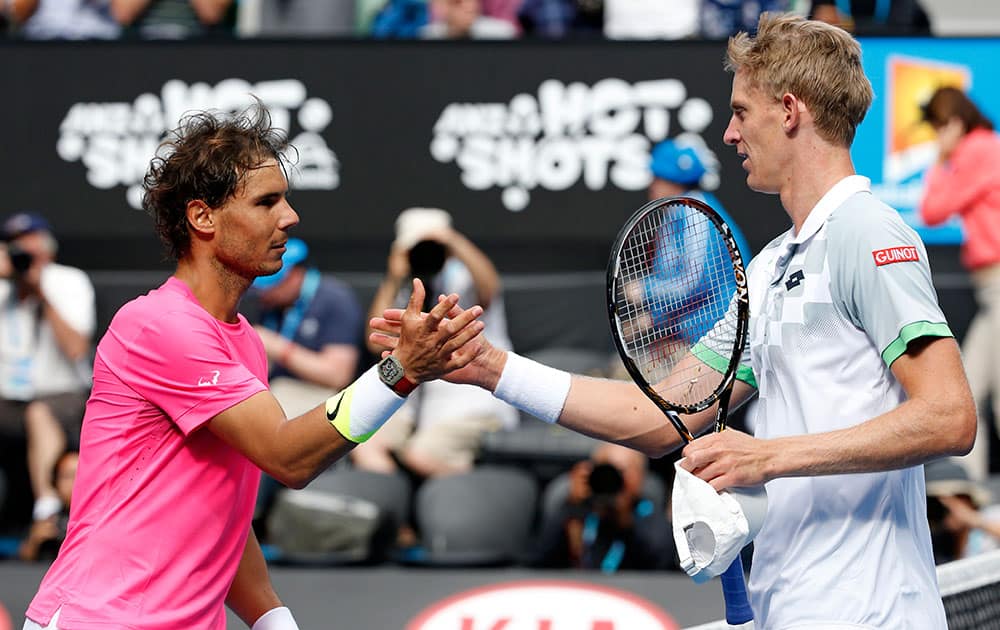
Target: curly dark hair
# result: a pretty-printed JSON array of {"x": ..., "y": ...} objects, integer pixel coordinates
[{"x": 206, "y": 157}]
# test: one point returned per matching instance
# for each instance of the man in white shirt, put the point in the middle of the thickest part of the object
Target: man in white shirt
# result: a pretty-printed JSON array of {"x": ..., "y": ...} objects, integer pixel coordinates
[
  {"x": 859, "y": 376},
  {"x": 47, "y": 321}
]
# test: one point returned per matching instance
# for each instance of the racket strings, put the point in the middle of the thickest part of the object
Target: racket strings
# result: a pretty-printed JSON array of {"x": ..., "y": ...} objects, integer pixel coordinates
[{"x": 674, "y": 287}]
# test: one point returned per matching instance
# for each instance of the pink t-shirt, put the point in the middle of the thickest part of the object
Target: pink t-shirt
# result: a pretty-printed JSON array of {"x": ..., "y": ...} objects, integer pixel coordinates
[{"x": 161, "y": 510}]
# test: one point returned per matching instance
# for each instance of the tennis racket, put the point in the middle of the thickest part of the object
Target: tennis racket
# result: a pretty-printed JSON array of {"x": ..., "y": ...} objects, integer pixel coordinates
[{"x": 677, "y": 300}]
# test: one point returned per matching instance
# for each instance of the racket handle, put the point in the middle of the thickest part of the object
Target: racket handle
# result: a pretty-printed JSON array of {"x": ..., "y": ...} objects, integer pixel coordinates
[{"x": 734, "y": 590}]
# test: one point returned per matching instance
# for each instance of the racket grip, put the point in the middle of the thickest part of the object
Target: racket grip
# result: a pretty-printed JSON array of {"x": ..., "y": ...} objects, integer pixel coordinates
[{"x": 734, "y": 590}]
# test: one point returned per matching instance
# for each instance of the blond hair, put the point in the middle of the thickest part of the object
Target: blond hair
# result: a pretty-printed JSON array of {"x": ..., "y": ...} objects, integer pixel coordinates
[{"x": 817, "y": 62}]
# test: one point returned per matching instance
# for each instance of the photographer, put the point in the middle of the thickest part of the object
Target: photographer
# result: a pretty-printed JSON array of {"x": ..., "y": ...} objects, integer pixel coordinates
[
  {"x": 963, "y": 519},
  {"x": 48, "y": 319},
  {"x": 440, "y": 428},
  {"x": 605, "y": 522}
]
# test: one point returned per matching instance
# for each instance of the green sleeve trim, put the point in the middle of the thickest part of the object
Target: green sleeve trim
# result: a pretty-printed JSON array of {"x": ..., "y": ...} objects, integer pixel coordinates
[
  {"x": 719, "y": 363},
  {"x": 910, "y": 332},
  {"x": 745, "y": 373}
]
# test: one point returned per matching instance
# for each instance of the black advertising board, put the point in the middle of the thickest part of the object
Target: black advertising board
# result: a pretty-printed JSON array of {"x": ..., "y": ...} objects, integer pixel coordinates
[{"x": 539, "y": 150}]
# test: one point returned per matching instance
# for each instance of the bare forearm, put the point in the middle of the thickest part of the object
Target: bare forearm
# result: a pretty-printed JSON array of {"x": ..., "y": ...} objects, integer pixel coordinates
[
  {"x": 909, "y": 435},
  {"x": 617, "y": 411},
  {"x": 614, "y": 411},
  {"x": 292, "y": 451},
  {"x": 304, "y": 447},
  {"x": 251, "y": 593}
]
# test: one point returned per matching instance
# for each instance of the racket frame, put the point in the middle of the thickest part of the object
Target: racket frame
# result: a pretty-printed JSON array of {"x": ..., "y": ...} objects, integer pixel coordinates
[
  {"x": 723, "y": 390},
  {"x": 738, "y": 610}
]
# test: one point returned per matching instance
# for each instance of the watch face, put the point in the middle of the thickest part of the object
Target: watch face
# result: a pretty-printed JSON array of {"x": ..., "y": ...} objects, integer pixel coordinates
[{"x": 390, "y": 370}]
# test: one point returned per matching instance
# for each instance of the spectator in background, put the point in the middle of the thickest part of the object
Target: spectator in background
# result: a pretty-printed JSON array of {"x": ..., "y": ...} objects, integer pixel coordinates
[
  {"x": 556, "y": 19},
  {"x": 46, "y": 536},
  {"x": 721, "y": 19},
  {"x": 963, "y": 523},
  {"x": 400, "y": 19},
  {"x": 48, "y": 320},
  {"x": 14, "y": 13},
  {"x": 965, "y": 183},
  {"x": 464, "y": 19},
  {"x": 440, "y": 429},
  {"x": 679, "y": 166},
  {"x": 173, "y": 19},
  {"x": 72, "y": 19},
  {"x": 873, "y": 17},
  {"x": 651, "y": 19},
  {"x": 295, "y": 18},
  {"x": 505, "y": 10},
  {"x": 604, "y": 522},
  {"x": 311, "y": 326}
]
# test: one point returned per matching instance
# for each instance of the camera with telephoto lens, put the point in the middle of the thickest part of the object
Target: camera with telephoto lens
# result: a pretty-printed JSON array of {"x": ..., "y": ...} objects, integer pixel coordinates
[
  {"x": 426, "y": 258},
  {"x": 606, "y": 482},
  {"x": 426, "y": 261},
  {"x": 20, "y": 260}
]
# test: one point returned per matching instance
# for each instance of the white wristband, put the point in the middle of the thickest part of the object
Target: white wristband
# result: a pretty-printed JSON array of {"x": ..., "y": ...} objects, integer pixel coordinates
[
  {"x": 533, "y": 388},
  {"x": 360, "y": 409},
  {"x": 276, "y": 619}
]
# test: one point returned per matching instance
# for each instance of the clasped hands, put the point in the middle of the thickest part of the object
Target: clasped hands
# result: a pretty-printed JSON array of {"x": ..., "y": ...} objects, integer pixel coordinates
[{"x": 430, "y": 345}]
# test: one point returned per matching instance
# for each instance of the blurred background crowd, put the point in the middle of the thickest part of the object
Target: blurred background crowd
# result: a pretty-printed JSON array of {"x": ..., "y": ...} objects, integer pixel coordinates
[
  {"x": 456, "y": 479},
  {"x": 438, "y": 19}
]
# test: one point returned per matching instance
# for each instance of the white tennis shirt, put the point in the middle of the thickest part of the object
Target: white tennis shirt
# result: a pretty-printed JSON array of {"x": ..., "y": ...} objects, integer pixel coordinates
[{"x": 831, "y": 308}]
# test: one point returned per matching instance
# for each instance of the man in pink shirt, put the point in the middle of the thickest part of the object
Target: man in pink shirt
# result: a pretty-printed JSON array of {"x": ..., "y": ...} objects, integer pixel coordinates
[
  {"x": 964, "y": 182},
  {"x": 180, "y": 421}
]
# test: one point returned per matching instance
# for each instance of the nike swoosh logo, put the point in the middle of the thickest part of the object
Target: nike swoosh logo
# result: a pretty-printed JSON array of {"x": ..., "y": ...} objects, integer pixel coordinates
[{"x": 336, "y": 409}]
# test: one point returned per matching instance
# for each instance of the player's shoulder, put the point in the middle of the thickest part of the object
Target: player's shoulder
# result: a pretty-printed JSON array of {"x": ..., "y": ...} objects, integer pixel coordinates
[
  {"x": 863, "y": 218},
  {"x": 165, "y": 309}
]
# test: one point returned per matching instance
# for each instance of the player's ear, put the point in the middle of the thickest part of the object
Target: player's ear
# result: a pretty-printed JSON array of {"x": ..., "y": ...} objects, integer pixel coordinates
[
  {"x": 793, "y": 110},
  {"x": 200, "y": 217}
]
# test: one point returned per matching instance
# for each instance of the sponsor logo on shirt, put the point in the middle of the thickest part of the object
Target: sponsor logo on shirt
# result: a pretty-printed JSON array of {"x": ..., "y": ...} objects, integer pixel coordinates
[
  {"x": 209, "y": 379},
  {"x": 795, "y": 280},
  {"x": 895, "y": 255}
]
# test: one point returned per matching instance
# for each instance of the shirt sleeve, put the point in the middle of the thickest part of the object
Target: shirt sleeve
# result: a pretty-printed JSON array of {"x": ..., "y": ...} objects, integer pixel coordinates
[
  {"x": 183, "y": 365},
  {"x": 882, "y": 280},
  {"x": 715, "y": 347}
]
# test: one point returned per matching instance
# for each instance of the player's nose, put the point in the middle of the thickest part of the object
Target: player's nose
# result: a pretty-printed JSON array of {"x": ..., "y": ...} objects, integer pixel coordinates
[
  {"x": 289, "y": 217},
  {"x": 732, "y": 133}
]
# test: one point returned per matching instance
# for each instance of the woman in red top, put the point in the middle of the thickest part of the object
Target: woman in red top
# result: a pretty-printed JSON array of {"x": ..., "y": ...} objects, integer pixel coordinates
[{"x": 965, "y": 181}]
